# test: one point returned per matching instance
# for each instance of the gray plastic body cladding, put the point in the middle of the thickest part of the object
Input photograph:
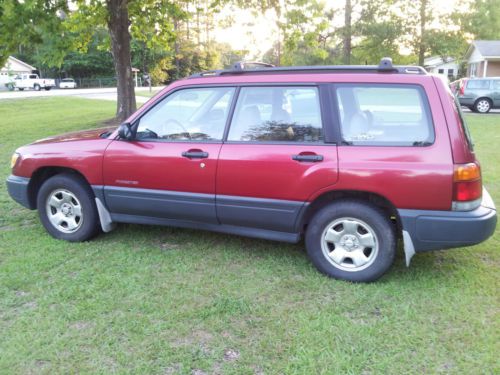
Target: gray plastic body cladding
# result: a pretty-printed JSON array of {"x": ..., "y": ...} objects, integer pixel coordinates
[
  {"x": 231, "y": 229},
  {"x": 271, "y": 214},
  {"x": 161, "y": 204},
  {"x": 434, "y": 230},
  {"x": 18, "y": 190}
]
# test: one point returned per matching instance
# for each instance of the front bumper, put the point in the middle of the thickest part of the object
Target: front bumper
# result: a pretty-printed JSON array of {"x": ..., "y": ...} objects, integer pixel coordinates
[
  {"x": 434, "y": 230},
  {"x": 18, "y": 190}
]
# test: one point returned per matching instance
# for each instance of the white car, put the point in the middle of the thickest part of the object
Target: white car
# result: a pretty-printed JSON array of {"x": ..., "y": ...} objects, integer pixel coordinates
[
  {"x": 30, "y": 81},
  {"x": 67, "y": 83}
]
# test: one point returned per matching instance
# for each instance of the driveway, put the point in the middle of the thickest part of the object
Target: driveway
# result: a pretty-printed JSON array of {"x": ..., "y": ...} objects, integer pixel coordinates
[
  {"x": 102, "y": 93},
  {"x": 493, "y": 111}
]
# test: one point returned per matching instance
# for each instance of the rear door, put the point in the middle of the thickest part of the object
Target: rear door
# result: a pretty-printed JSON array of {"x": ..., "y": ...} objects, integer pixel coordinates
[{"x": 275, "y": 157}]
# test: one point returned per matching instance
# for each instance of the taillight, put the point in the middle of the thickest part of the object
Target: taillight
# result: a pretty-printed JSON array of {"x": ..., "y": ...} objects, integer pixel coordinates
[{"x": 467, "y": 187}]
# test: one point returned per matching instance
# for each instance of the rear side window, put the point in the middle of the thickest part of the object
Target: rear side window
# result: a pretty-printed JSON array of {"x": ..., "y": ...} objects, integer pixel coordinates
[
  {"x": 380, "y": 115},
  {"x": 277, "y": 114},
  {"x": 478, "y": 84},
  {"x": 496, "y": 85}
]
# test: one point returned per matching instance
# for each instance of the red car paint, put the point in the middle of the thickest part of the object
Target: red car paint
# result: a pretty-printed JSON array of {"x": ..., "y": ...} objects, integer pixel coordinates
[{"x": 408, "y": 177}]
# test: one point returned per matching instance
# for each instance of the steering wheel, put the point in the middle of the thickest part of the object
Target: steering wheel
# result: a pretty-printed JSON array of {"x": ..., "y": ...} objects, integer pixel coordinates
[{"x": 168, "y": 123}]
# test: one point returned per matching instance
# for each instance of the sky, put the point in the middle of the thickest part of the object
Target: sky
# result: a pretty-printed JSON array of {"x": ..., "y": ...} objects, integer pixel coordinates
[{"x": 257, "y": 32}]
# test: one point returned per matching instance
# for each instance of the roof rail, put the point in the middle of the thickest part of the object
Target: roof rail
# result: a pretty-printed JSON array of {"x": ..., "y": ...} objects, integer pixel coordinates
[{"x": 385, "y": 66}]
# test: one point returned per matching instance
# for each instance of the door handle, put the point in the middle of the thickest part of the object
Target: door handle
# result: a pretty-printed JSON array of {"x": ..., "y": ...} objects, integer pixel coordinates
[
  {"x": 195, "y": 154},
  {"x": 310, "y": 158}
]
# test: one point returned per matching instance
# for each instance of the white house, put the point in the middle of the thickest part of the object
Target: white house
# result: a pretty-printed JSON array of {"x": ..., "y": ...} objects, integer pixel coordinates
[
  {"x": 12, "y": 67},
  {"x": 483, "y": 58},
  {"x": 447, "y": 66}
]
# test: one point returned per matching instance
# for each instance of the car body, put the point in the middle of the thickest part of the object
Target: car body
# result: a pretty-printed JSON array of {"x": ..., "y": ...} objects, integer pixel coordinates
[
  {"x": 67, "y": 83},
  {"x": 479, "y": 94},
  {"x": 31, "y": 81},
  {"x": 351, "y": 158}
]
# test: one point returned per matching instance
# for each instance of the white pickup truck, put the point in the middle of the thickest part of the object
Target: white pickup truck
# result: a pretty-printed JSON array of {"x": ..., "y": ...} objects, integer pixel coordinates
[{"x": 30, "y": 81}]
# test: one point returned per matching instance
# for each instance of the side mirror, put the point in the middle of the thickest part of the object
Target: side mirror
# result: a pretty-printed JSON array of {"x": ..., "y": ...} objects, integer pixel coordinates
[{"x": 125, "y": 131}]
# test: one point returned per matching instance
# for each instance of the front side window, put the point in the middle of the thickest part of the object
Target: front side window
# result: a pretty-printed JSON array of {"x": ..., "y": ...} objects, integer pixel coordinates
[
  {"x": 496, "y": 85},
  {"x": 197, "y": 114},
  {"x": 277, "y": 114},
  {"x": 377, "y": 114}
]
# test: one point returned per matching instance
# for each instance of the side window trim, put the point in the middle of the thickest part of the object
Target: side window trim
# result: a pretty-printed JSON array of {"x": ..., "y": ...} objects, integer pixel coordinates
[
  {"x": 137, "y": 121},
  {"x": 272, "y": 85},
  {"x": 230, "y": 115},
  {"x": 425, "y": 106}
]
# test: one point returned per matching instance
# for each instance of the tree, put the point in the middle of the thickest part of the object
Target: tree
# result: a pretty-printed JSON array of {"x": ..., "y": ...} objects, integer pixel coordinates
[
  {"x": 482, "y": 21},
  {"x": 347, "y": 32}
]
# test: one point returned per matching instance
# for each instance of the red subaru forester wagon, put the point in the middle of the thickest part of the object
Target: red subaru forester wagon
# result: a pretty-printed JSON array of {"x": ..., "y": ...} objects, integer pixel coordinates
[{"x": 352, "y": 158}]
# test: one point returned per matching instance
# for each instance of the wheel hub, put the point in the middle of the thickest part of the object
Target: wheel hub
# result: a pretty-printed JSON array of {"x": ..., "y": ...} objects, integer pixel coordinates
[
  {"x": 67, "y": 209},
  {"x": 349, "y": 242}
]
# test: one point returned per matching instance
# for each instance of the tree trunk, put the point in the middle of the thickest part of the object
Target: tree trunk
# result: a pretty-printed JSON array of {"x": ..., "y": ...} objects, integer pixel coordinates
[
  {"x": 347, "y": 32},
  {"x": 423, "y": 21},
  {"x": 118, "y": 23}
]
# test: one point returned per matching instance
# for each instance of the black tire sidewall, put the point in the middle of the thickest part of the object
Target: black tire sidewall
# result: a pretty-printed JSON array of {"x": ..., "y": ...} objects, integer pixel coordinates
[
  {"x": 79, "y": 187},
  {"x": 372, "y": 216}
]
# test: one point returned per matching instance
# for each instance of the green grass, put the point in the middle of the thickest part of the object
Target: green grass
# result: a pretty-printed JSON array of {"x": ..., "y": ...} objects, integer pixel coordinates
[
  {"x": 155, "y": 300},
  {"x": 146, "y": 93}
]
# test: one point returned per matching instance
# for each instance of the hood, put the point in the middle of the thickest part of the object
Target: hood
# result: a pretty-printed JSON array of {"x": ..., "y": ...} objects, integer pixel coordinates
[{"x": 77, "y": 136}]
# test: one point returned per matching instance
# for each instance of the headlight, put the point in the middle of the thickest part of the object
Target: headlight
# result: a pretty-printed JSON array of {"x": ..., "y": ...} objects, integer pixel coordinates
[{"x": 13, "y": 160}]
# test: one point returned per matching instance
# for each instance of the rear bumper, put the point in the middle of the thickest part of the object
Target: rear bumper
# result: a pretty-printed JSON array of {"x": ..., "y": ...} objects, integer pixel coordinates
[
  {"x": 434, "y": 230},
  {"x": 18, "y": 190}
]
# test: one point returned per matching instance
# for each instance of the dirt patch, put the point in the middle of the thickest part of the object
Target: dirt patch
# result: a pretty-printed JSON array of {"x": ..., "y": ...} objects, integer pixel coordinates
[
  {"x": 81, "y": 326},
  {"x": 199, "y": 337},
  {"x": 21, "y": 293},
  {"x": 175, "y": 368},
  {"x": 231, "y": 355},
  {"x": 167, "y": 246},
  {"x": 30, "y": 305}
]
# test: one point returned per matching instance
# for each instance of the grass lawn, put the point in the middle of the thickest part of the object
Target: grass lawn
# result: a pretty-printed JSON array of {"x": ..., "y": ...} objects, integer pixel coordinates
[
  {"x": 156, "y": 300},
  {"x": 146, "y": 93}
]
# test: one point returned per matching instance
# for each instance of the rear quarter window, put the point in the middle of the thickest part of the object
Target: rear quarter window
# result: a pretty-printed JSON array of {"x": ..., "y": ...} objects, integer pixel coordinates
[{"x": 384, "y": 115}]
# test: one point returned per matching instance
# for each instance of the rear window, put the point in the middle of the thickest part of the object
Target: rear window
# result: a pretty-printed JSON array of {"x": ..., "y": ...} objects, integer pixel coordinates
[
  {"x": 380, "y": 115},
  {"x": 478, "y": 84}
]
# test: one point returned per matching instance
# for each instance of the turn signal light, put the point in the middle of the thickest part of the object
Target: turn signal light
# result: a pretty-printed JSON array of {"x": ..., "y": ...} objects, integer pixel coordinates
[
  {"x": 467, "y": 187},
  {"x": 466, "y": 172}
]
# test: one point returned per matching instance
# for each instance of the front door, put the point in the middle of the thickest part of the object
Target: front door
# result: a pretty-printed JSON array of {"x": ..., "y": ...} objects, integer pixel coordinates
[
  {"x": 274, "y": 158},
  {"x": 168, "y": 170}
]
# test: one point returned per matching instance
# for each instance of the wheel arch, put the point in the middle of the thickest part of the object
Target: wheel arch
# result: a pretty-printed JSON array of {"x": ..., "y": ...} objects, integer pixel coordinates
[
  {"x": 41, "y": 175},
  {"x": 337, "y": 195}
]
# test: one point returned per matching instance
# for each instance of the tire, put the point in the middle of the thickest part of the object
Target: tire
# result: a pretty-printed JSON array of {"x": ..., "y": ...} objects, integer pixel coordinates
[
  {"x": 47, "y": 88},
  {"x": 36, "y": 87},
  {"x": 344, "y": 226},
  {"x": 21, "y": 89},
  {"x": 67, "y": 208},
  {"x": 482, "y": 105},
  {"x": 10, "y": 87}
]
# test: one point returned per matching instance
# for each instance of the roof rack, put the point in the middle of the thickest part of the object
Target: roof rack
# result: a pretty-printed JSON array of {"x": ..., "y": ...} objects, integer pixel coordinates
[{"x": 385, "y": 66}]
